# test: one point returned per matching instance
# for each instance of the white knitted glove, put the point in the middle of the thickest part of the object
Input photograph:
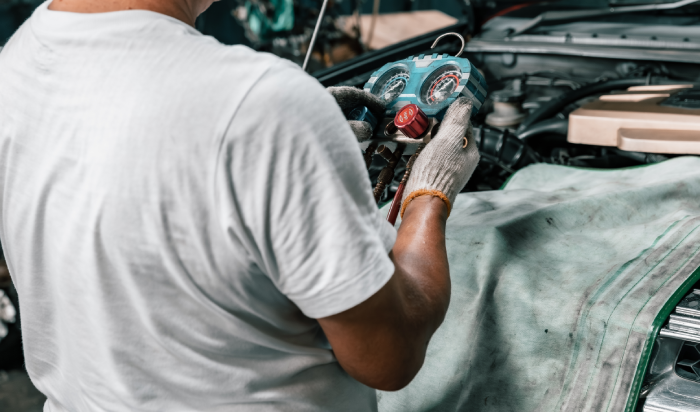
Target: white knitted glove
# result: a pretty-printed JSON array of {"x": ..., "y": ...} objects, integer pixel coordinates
[
  {"x": 350, "y": 98},
  {"x": 445, "y": 165}
]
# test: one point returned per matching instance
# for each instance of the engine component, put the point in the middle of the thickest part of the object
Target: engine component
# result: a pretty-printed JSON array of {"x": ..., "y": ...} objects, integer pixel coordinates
[
  {"x": 672, "y": 382},
  {"x": 685, "y": 323},
  {"x": 556, "y": 126},
  {"x": 688, "y": 364},
  {"x": 651, "y": 119},
  {"x": 665, "y": 389},
  {"x": 556, "y": 105},
  {"x": 684, "y": 99},
  {"x": 507, "y": 109},
  {"x": 502, "y": 153},
  {"x": 504, "y": 148}
]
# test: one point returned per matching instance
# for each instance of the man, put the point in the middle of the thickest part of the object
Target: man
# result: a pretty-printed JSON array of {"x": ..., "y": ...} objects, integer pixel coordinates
[{"x": 190, "y": 226}]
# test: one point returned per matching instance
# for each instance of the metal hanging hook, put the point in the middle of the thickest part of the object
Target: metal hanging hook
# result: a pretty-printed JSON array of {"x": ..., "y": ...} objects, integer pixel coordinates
[{"x": 464, "y": 42}]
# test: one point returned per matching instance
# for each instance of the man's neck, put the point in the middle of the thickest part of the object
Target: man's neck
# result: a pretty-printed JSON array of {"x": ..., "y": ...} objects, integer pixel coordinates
[{"x": 183, "y": 10}]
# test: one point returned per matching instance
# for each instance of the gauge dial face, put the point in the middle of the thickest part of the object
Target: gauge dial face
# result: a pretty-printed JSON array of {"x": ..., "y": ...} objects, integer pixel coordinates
[
  {"x": 441, "y": 84},
  {"x": 390, "y": 86}
]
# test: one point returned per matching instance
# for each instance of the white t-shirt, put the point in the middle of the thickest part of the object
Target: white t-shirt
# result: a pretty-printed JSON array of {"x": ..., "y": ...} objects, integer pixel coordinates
[{"x": 175, "y": 214}]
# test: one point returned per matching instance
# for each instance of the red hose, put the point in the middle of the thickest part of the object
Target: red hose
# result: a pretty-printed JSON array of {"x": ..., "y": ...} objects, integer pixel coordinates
[
  {"x": 511, "y": 9},
  {"x": 396, "y": 205}
]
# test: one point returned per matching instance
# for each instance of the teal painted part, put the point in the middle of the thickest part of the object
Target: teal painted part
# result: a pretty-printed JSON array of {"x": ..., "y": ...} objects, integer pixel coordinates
[
  {"x": 419, "y": 76},
  {"x": 266, "y": 28}
]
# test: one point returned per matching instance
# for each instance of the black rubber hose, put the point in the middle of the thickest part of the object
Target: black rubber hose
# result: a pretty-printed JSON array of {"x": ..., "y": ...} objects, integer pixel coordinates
[
  {"x": 555, "y": 106},
  {"x": 557, "y": 126},
  {"x": 647, "y": 158}
]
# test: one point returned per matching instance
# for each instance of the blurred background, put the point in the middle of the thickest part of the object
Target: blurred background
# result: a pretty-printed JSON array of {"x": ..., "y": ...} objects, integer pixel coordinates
[{"x": 284, "y": 27}]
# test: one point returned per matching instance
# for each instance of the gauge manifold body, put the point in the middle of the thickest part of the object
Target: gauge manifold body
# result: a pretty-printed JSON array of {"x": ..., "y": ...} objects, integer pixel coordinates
[{"x": 431, "y": 83}]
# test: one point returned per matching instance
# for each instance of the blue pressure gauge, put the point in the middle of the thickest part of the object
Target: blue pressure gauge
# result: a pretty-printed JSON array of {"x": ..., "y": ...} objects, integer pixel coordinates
[{"x": 430, "y": 82}]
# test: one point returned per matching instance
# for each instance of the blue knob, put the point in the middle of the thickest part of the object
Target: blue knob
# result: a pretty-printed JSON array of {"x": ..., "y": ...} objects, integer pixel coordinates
[{"x": 363, "y": 114}]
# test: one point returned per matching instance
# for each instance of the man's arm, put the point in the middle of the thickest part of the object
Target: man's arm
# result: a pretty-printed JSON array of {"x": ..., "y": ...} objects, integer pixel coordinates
[{"x": 382, "y": 342}]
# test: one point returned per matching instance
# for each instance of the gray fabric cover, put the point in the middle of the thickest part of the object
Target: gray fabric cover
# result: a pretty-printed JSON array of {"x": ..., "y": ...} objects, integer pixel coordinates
[{"x": 556, "y": 281}]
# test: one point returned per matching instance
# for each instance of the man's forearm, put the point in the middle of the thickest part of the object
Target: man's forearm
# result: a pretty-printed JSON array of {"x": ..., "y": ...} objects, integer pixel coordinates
[
  {"x": 422, "y": 269},
  {"x": 382, "y": 342}
]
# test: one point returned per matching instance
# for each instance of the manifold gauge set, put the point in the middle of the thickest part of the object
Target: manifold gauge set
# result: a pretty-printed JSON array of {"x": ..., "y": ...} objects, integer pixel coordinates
[
  {"x": 418, "y": 91},
  {"x": 430, "y": 82}
]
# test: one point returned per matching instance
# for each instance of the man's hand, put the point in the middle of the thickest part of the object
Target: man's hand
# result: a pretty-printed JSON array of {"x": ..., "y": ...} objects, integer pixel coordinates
[
  {"x": 349, "y": 98},
  {"x": 382, "y": 342},
  {"x": 446, "y": 164}
]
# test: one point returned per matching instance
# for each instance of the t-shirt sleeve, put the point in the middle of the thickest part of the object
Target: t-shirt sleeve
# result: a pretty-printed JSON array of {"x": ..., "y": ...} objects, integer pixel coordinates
[{"x": 305, "y": 197}]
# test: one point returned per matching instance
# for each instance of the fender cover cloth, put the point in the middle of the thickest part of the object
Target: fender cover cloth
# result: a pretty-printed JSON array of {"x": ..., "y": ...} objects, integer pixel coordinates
[{"x": 558, "y": 284}]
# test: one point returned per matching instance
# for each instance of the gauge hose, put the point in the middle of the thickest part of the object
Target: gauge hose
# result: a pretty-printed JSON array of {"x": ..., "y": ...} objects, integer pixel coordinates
[
  {"x": 504, "y": 149},
  {"x": 556, "y": 126}
]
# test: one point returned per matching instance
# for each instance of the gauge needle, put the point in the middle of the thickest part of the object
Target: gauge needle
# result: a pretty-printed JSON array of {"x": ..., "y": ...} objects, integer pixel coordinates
[
  {"x": 444, "y": 90},
  {"x": 447, "y": 87},
  {"x": 393, "y": 90}
]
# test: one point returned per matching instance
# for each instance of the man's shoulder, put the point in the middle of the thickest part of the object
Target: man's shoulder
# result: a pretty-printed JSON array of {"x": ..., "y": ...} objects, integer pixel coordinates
[
  {"x": 222, "y": 67},
  {"x": 209, "y": 56},
  {"x": 266, "y": 80}
]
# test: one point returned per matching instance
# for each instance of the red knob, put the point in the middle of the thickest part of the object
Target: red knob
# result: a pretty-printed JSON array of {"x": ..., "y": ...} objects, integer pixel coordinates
[{"x": 412, "y": 121}]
